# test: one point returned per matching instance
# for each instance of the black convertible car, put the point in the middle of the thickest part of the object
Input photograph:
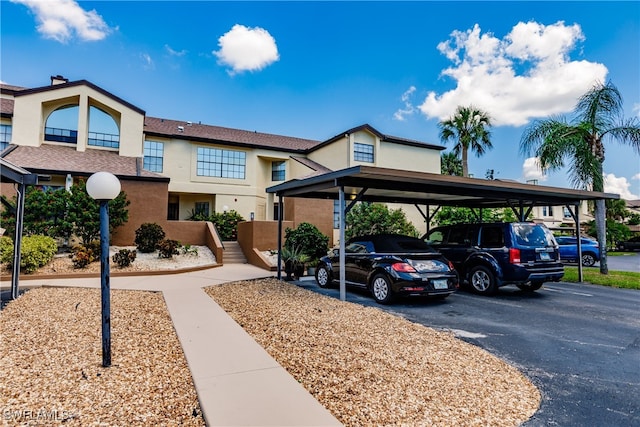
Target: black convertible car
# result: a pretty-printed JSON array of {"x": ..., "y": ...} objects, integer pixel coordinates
[{"x": 390, "y": 265}]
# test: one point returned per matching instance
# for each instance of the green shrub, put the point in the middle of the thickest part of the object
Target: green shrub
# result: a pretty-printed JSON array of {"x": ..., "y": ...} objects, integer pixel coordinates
[
  {"x": 308, "y": 240},
  {"x": 189, "y": 250},
  {"x": 36, "y": 252},
  {"x": 148, "y": 236},
  {"x": 82, "y": 256},
  {"x": 376, "y": 218},
  {"x": 226, "y": 223},
  {"x": 6, "y": 250},
  {"x": 167, "y": 248},
  {"x": 124, "y": 257}
]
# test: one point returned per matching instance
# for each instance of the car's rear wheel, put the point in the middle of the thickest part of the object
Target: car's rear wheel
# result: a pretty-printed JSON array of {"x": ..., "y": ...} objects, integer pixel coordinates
[
  {"x": 323, "y": 276},
  {"x": 482, "y": 281},
  {"x": 530, "y": 287},
  {"x": 381, "y": 289},
  {"x": 588, "y": 260}
]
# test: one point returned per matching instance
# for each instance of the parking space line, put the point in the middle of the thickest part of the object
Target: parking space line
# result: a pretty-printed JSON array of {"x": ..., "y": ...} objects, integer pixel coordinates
[{"x": 564, "y": 291}]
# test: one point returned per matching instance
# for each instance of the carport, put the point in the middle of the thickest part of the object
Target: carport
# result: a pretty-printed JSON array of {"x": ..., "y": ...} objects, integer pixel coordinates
[
  {"x": 20, "y": 178},
  {"x": 373, "y": 184}
]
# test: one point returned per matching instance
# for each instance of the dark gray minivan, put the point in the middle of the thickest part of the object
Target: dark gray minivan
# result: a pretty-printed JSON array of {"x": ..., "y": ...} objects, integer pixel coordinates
[{"x": 490, "y": 255}]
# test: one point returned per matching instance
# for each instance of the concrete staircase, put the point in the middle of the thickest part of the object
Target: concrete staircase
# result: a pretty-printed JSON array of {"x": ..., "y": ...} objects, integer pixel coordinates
[{"x": 233, "y": 253}]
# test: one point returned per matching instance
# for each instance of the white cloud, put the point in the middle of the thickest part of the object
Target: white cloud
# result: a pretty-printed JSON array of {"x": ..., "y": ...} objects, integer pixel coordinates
[
  {"x": 172, "y": 52},
  {"x": 147, "y": 61},
  {"x": 531, "y": 170},
  {"x": 408, "y": 106},
  {"x": 527, "y": 74},
  {"x": 636, "y": 176},
  {"x": 246, "y": 49},
  {"x": 60, "y": 20},
  {"x": 619, "y": 185},
  {"x": 636, "y": 109}
]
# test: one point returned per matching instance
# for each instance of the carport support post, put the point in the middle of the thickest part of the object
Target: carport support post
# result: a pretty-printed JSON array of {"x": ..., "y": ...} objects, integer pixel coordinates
[
  {"x": 575, "y": 214},
  {"x": 343, "y": 286},
  {"x": 280, "y": 210},
  {"x": 15, "y": 277},
  {"x": 579, "y": 241}
]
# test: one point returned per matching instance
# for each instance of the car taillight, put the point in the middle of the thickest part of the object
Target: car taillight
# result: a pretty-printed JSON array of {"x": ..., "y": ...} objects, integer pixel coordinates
[
  {"x": 514, "y": 256},
  {"x": 403, "y": 267},
  {"x": 451, "y": 267}
]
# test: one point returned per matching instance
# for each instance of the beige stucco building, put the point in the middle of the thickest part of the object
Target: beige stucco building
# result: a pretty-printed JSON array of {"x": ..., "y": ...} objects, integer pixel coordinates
[{"x": 171, "y": 169}]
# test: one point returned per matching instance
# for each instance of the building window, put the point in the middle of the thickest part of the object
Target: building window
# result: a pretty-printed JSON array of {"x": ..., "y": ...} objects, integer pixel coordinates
[
  {"x": 566, "y": 213},
  {"x": 336, "y": 214},
  {"x": 103, "y": 130},
  {"x": 276, "y": 211},
  {"x": 547, "y": 211},
  {"x": 5, "y": 136},
  {"x": 278, "y": 171},
  {"x": 202, "y": 208},
  {"x": 153, "y": 155},
  {"x": 173, "y": 211},
  {"x": 221, "y": 163},
  {"x": 363, "y": 152}
]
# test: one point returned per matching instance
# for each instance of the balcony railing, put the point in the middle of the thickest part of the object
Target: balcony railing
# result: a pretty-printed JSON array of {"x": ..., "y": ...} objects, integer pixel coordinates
[
  {"x": 61, "y": 135},
  {"x": 104, "y": 140},
  {"x": 70, "y": 136}
]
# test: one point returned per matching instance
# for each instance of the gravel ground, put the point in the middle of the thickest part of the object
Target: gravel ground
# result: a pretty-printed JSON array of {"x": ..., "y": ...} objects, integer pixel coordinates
[
  {"x": 51, "y": 364},
  {"x": 370, "y": 368},
  {"x": 382, "y": 371},
  {"x": 62, "y": 263}
]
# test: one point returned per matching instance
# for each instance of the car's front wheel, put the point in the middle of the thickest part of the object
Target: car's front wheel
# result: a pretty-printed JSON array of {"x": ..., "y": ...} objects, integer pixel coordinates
[
  {"x": 482, "y": 281},
  {"x": 381, "y": 289},
  {"x": 323, "y": 276},
  {"x": 588, "y": 260}
]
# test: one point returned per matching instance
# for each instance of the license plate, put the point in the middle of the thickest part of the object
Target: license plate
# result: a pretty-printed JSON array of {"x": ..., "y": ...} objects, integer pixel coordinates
[
  {"x": 544, "y": 256},
  {"x": 440, "y": 284}
]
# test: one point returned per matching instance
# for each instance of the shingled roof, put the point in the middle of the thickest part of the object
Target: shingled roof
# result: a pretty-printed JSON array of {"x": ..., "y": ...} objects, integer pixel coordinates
[
  {"x": 6, "y": 107},
  {"x": 59, "y": 160},
  {"x": 154, "y": 126}
]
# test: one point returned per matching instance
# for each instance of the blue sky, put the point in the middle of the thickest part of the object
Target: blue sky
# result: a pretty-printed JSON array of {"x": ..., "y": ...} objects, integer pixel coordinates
[{"x": 315, "y": 69}]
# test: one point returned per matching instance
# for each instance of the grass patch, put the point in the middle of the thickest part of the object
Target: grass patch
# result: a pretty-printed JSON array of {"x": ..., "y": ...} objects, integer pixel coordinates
[
  {"x": 615, "y": 279},
  {"x": 613, "y": 253}
]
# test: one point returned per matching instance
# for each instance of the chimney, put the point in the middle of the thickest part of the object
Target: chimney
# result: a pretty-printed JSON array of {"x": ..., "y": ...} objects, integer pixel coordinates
[{"x": 58, "y": 80}]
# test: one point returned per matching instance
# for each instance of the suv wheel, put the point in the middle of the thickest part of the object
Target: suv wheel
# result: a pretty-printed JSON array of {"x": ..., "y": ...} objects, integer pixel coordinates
[
  {"x": 588, "y": 260},
  {"x": 323, "y": 276},
  {"x": 381, "y": 289},
  {"x": 482, "y": 280}
]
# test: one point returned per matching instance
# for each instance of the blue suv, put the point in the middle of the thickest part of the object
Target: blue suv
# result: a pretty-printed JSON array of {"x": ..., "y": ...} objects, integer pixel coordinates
[
  {"x": 569, "y": 250},
  {"x": 490, "y": 255}
]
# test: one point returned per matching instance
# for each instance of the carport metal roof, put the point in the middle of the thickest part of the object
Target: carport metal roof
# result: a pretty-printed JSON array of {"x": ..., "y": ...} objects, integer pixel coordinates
[{"x": 373, "y": 184}]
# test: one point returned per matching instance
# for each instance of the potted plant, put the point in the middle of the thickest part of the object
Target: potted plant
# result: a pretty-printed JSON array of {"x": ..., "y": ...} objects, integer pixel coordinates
[
  {"x": 311, "y": 267},
  {"x": 294, "y": 261}
]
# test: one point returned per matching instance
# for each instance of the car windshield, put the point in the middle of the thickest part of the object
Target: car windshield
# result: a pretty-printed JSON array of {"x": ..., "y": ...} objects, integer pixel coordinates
[{"x": 528, "y": 234}]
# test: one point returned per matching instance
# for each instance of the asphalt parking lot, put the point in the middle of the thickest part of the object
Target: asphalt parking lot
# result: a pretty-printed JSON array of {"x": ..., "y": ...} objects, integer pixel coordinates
[{"x": 578, "y": 343}]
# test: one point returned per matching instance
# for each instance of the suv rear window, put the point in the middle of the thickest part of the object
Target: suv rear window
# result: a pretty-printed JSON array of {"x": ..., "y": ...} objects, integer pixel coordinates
[{"x": 532, "y": 235}]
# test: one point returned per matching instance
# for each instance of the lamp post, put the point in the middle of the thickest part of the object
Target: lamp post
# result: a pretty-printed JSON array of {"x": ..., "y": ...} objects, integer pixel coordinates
[{"x": 103, "y": 186}]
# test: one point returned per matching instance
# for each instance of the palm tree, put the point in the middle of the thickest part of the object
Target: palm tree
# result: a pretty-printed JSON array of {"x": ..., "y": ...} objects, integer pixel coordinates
[
  {"x": 468, "y": 128},
  {"x": 598, "y": 117},
  {"x": 450, "y": 164}
]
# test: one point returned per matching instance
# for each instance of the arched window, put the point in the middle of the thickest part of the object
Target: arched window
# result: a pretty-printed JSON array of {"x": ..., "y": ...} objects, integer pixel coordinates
[
  {"x": 62, "y": 125},
  {"x": 103, "y": 130}
]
